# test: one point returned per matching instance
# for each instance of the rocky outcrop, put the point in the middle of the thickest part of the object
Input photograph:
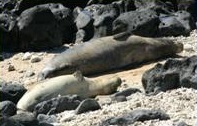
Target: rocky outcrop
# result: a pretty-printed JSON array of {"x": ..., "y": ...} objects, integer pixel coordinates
[
  {"x": 95, "y": 21},
  {"x": 25, "y": 4},
  {"x": 11, "y": 91},
  {"x": 87, "y": 105},
  {"x": 36, "y": 32},
  {"x": 8, "y": 32},
  {"x": 7, "y": 108},
  {"x": 66, "y": 21},
  {"x": 27, "y": 119},
  {"x": 173, "y": 74},
  {"x": 5, "y": 121},
  {"x": 142, "y": 23},
  {"x": 57, "y": 105},
  {"x": 180, "y": 23}
]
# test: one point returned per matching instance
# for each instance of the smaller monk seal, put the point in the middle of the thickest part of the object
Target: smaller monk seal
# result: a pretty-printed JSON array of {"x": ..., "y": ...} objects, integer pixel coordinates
[
  {"x": 68, "y": 84},
  {"x": 107, "y": 53}
]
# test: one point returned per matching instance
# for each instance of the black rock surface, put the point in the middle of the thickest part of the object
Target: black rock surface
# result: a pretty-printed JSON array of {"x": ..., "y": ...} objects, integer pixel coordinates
[
  {"x": 27, "y": 119},
  {"x": 11, "y": 91},
  {"x": 136, "y": 115},
  {"x": 7, "y": 108},
  {"x": 173, "y": 74},
  {"x": 57, "y": 105},
  {"x": 87, "y": 105}
]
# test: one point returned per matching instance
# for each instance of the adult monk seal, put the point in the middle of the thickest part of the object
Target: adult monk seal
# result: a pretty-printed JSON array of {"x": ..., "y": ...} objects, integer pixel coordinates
[
  {"x": 68, "y": 84},
  {"x": 108, "y": 53}
]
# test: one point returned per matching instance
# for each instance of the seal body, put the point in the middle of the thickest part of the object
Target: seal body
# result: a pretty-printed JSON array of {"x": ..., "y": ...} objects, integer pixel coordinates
[
  {"x": 107, "y": 53},
  {"x": 65, "y": 85}
]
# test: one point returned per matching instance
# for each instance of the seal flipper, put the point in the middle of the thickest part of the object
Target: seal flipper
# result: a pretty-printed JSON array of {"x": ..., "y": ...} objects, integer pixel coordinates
[
  {"x": 122, "y": 36},
  {"x": 78, "y": 74}
]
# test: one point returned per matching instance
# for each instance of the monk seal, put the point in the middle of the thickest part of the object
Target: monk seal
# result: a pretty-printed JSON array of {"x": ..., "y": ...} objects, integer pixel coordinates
[
  {"x": 68, "y": 84},
  {"x": 107, "y": 53}
]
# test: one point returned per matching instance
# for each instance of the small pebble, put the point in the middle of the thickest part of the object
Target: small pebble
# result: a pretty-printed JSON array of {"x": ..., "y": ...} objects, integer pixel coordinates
[
  {"x": 21, "y": 71},
  {"x": 138, "y": 104},
  {"x": 120, "y": 98},
  {"x": 11, "y": 68},
  {"x": 35, "y": 59},
  {"x": 29, "y": 74},
  {"x": 104, "y": 99},
  {"x": 188, "y": 47},
  {"x": 27, "y": 82},
  {"x": 40, "y": 54},
  {"x": 27, "y": 56},
  {"x": 17, "y": 56}
]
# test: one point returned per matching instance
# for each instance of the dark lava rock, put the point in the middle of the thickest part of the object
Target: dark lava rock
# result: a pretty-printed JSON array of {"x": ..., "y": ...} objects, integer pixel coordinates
[
  {"x": 25, "y": 4},
  {"x": 145, "y": 20},
  {"x": 40, "y": 27},
  {"x": 7, "y": 5},
  {"x": 170, "y": 26},
  {"x": 186, "y": 20},
  {"x": 6, "y": 20},
  {"x": 87, "y": 105},
  {"x": 11, "y": 91},
  {"x": 46, "y": 118},
  {"x": 95, "y": 21},
  {"x": 65, "y": 21},
  {"x": 5, "y": 121},
  {"x": 27, "y": 119},
  {"x": 81, "y": 36},
  {"x": 90, "y": 2},
  {"x": 84, "y": 23},
  {"x": 173, "y": 74},
  {"x": 180, "y": 23},
  {"x": 103, "y": 20},
  {"x": 136, "y": 115},
  {"x": 7, "y": 108},
  {"x": 126, "y": 92},
  {"x": 76, "y": 12},
  {"x": 37, "y": 26},
  {"x": 142, "y": 22},
  {"x": 84, "y": 19},
  {"x": 125, "y": 5},
  {"x": 57, "y": 105},
  {"x": 156, "y": 5},
  {"x": 188, "y": 5},
  {"x": 8, "y": 32}
]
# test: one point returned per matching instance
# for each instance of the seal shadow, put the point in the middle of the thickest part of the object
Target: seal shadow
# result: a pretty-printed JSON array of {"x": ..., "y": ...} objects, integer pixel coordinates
[
  {"x": 57, "y": 50},
  {"x": 134, "y": 66}
]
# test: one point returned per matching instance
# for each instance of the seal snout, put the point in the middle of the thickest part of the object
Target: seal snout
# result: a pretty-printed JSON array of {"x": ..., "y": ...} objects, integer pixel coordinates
[
  {"x": 44, "y": 73},
  {"x": 118, "y": 81},
  {"x": 40, "y": 76},
  {"x": 114, "y": 84},
  {"x": 179, "y": 47}
]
